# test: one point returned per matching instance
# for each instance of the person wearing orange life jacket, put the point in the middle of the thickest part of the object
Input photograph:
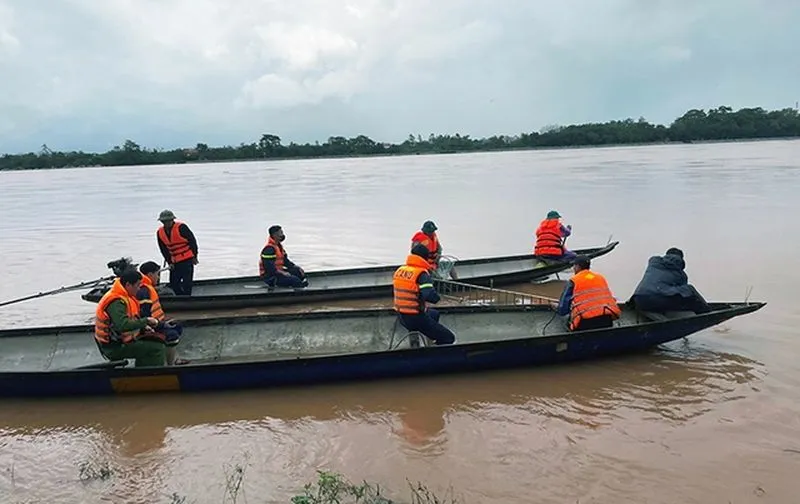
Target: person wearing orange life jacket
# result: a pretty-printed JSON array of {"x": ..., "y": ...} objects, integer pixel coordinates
[
  {"x": 550, "y": 236},
  {"x": 150, "y": 306},
  {"x": 427, "y": 237},
  {"x": 274, "y": 266},
  {"x": 120, "y": 332},
  {"x": 587, "y": 299},
  {"x": 413, "y": 288},
  {"x": 179, "y": 248}
]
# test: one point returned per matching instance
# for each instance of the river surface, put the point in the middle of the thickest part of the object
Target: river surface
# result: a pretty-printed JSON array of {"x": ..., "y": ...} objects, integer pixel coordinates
[{"x": 712, "y": 419}]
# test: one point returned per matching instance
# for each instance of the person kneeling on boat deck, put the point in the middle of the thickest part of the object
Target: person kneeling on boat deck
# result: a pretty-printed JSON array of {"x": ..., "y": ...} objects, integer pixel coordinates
[
  {"x": 550, "y": 237},
  {"x": 119, "y": 330},
  {"x": 275, "y": 268},
  {"x": 665, "y": 286},
  {"x": 587, "y": 299},
  {"x": 150, "y": 306},
  {"x": 413, "y": 288}
]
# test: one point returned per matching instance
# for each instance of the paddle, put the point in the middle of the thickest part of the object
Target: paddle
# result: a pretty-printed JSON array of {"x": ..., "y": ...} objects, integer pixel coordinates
[{"x": 58, "y": 291}]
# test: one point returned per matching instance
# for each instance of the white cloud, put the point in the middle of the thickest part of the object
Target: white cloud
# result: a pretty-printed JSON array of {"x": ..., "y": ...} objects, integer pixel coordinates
[{"x": 176, "y": 70}]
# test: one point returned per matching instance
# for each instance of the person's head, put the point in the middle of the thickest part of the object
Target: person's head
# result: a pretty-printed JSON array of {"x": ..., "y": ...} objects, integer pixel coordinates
[
  {"x": 428, "y": 227},
  {"x": 553, "y": 214},
  {"x": 581, "y": 263},
  {"x": 131, "y": 280},
  {"x": 675, "y": 251},
  {"x": 276, "y": 233},
  {"x": 166, "y": 217},
  {"x": 151, "y": 270},
  {"x": 420, "y": 250}
]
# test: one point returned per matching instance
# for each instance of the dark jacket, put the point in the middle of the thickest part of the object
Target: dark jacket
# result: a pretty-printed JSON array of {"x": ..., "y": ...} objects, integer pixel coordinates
[{"x": 664, "y": 276}]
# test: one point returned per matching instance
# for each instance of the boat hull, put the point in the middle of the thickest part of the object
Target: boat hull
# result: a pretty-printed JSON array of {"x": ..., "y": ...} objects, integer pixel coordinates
[
  {"x": 351, "y": 283},
  {"x": 511, "y": 350}
]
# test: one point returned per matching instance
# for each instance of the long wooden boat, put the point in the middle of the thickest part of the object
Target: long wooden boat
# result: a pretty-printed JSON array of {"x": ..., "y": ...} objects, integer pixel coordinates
[
  {"x": 351, "y": 283},
  {"x": 322, "y": 347}
]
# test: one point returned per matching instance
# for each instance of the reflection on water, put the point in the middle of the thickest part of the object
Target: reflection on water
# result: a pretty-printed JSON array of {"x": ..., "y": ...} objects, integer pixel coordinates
[
  {"x": 712, "y": 419},
  {"x": 280, "y": 434}
]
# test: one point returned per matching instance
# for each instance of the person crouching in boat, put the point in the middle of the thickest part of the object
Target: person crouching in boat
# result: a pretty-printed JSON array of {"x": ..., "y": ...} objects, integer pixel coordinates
[
  {"x": 427, "y": 237},
  {"x": 665, "y": 286},
  {"x": 119, "y": 330},
  {"x": 275, "y": 268},
  {"x": 550, "y": 237},
  {"x": 150, "y": 306},
  {"x": 587, "y": 299},
  {"x": 413, "y": 288}
]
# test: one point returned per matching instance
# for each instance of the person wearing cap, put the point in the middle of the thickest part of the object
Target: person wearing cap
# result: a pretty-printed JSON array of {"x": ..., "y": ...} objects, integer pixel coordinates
[
  {"x": 120, "y": 331},
  {"x": 178, "y": 246},
  {"x": 150, "y": 306},
  {"x": 665, "y": 286},
  {"x": 427, "y": 237},
  {"x": 413, "y": 288},
  {"x": 550, "y": 237},
  {"x": 274, "y": 266},
  {"x": 587, "y": 299}
]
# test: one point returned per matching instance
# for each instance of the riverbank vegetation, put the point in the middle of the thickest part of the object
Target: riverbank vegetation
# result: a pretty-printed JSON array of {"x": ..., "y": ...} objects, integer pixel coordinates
[{"x": 718, "y": 124}]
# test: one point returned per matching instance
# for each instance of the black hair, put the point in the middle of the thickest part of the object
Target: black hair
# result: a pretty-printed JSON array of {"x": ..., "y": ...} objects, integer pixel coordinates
[
  {"x": 273, "y": 229},
  {"x": 149, "y": 267},
  {"x": 130, "y": 276}
]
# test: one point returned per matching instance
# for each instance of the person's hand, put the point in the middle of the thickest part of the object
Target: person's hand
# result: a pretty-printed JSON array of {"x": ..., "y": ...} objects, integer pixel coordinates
[
  {"x": 195, "y": 261},
  {"x": 152, "y": 321}
]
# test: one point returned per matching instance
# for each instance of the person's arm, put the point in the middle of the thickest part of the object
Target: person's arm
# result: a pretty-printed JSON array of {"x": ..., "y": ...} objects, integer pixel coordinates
[
  {"x": 164, "y": 250},
  {"x": 287, "y": 261},
  {"x": 565, "y": 231},
  {"x": 120, "y": 319},
  {"x": 268, "y": 259},
  {"x": 187, "y": 233},
  {"x": 426, "y": 289},
  {"x": 566, "y": 299},
  {"x": 145, "y": 303}
]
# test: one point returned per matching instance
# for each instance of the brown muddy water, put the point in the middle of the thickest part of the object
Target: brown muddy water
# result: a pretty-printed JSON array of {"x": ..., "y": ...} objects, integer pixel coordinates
[{"x": 712, "y": 419}]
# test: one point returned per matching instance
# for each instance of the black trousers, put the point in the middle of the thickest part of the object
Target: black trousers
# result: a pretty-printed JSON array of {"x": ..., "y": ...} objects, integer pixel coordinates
[
  {"x": 599, "y": 322},
  {"x": 181, "y": 277}
]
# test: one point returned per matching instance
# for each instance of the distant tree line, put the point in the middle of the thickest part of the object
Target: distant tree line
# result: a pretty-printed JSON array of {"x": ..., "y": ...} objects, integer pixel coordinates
[{"x": 721, "y": 123}]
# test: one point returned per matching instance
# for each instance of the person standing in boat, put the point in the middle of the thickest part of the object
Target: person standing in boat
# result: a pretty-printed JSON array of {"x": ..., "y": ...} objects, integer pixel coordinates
[
  {"x": 550, "y": 237},
  {"x": 413, "y": 288},
  {"x": 120, "y": 332},
  {"x": 150, "y": 306},
  {"x": 179, "y": 248},
  {"x": 274, "y": 266},
  {"x": 665, "y": 286},
  {"x": 587, "y": 299}
]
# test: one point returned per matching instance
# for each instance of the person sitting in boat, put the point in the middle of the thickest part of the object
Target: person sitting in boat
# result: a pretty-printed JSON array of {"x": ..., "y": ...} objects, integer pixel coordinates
[
  {"x": 120, "y": 332},
  {"x": 274, "y": 266},
  {"x": 413, "y": 288},
  {"x": 587, "y": 299},
  {"x": 665, "y": 286},
  {"x": 550, "y": 237},
  {"x": 150, "y": 306},
  {"x": 427, "y": 237}
]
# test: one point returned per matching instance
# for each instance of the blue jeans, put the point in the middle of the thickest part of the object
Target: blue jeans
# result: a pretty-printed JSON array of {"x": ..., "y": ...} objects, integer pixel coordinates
[{"x": 428, "y": 324}]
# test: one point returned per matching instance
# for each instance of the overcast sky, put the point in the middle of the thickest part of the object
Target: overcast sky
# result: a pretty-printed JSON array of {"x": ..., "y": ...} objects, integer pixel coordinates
[{"x": 87, "y": 74}]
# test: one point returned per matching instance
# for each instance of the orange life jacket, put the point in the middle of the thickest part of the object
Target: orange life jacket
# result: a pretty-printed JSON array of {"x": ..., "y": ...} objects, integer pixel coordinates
[
  {"x": 407, "y": 298},
  {"x": 430, "y": 243},
  {"x": 278, "y": 257},
  {"x": 591, "y": 298},
  {"x": 548, "y": 239},
  {"x": 156, "y": 311},
  {"x": 178, "y": 246},
  {"x": 102, "y": 322}
]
